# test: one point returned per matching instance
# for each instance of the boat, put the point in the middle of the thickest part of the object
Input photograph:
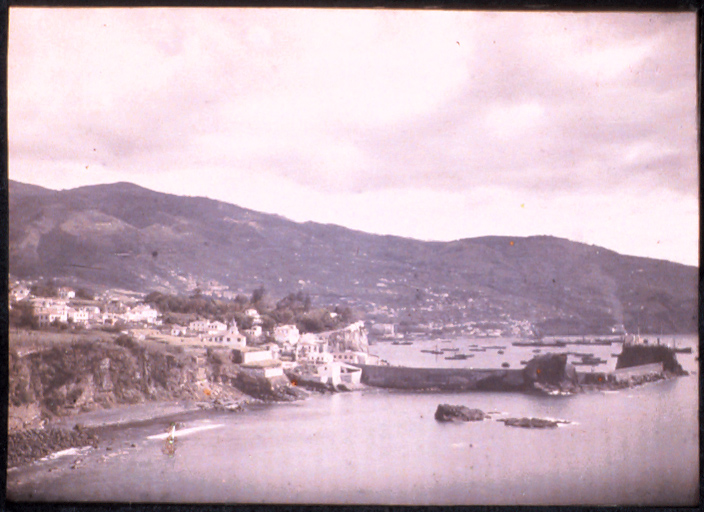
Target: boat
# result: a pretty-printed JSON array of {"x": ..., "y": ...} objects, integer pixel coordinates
[
  {"x": 436, "y": 352},
  {"x": 683, "y": 350},
  {"x": 589, "y": 361},
  {"x": 590, "y": 342},
  {"x": 556, "y": 343},
  {"x": 450, "y": 349},
  {"x": 457, "y": 357}
]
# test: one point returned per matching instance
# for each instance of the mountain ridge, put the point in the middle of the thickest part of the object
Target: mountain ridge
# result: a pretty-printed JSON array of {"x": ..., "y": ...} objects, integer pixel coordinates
[{"x": 124, "y": 235}]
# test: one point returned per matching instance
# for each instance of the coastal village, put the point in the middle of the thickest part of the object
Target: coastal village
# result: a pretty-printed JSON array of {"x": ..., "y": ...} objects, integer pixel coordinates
[
  {"x": 266, "y": 355},
  {"x": 324, "y": 358},
  {"x": 319, "y": 356},
  {"x": 71, "y": 352}
]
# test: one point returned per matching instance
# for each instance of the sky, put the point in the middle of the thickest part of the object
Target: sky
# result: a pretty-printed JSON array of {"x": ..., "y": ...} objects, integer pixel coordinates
[{"x": 436, "y": 125}]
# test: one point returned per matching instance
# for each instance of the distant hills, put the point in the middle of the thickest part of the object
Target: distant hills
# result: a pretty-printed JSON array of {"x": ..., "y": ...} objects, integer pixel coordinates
[{"x": 125, "y": 236}]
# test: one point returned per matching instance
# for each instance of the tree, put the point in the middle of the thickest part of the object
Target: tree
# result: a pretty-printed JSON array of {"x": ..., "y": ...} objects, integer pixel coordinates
[
  {"x": 258, "y": 295},
  {"x": 22, "y": 315},
  {"x": 44, "y": 290},
  {"x": 82, "y": 293}
]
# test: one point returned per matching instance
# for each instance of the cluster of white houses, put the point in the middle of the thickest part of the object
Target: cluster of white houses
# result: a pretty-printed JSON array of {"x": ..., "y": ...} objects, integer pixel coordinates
[
  {"x": 52, "y": 310},
  {"x": 327, "y": 357}
]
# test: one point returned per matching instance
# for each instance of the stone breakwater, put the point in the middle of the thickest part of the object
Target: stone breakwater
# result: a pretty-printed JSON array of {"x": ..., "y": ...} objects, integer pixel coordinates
[
  {"x": 28, "y": 445},
  {"x": 545, "y": 374}
]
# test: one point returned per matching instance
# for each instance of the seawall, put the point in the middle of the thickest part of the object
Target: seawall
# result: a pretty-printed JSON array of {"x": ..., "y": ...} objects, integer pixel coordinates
[
  {"x": 547, "y": 373},
  {"x": 463, "y": 379}
]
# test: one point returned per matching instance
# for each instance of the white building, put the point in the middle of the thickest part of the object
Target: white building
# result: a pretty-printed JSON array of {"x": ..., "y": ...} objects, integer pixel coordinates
[
  {"x": 199, "y": 325},
  {"x": 383, "y": 330},
  {"x": 19, "y": 293},
  {"x": 245, "y": 355},
  {"x": 286, "y": 335},
  {"x": 66, "y": 293},
  {"x": 50, "y": 314},
  {"x": 78, "y": 316},
  {"x": 226, "y": 338},
  {"x": 266, "y": 369},
  {"x": 217, "y": 327},
  {"x": 313, "y": 349},
  {"x": 141, "y": 313},
  {"x": 334, "y": 373},
  {"x": 254, "y": 332},
  {"x": 352, "y": 357},
  {"x": 178, "y": 330}
]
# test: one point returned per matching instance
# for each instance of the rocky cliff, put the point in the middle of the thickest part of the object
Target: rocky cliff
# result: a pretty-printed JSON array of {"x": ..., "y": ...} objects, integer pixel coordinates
[
  {"x": 353, "y": 337},
  {"x": 88, "y": 375}
]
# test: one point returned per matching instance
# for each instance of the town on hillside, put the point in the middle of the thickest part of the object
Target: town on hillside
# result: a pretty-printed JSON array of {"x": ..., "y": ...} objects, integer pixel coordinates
[{"x": 322, "y": 346}]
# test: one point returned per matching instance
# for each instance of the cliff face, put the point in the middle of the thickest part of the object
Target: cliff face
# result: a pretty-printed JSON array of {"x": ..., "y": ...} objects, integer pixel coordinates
[
  {"x": 86, "y": 375},
  {"x": 353, "y": 337}
]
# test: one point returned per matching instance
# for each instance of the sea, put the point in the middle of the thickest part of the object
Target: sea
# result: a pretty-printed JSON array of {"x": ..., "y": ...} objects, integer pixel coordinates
[{"x": 635, "y": 446}]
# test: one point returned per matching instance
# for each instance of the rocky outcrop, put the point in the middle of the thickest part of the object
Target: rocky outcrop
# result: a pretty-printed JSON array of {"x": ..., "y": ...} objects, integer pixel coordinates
[
  {"x": 447, "y": 412},
  {"x": 550, "y": 373},
  {"x": 353, "y": 337},
  {"x": 531, "y": 422},
  {"x": 276, "y": 389},
  {"x": 88, "y": 375},
  {"x": 27, "y": 445}
]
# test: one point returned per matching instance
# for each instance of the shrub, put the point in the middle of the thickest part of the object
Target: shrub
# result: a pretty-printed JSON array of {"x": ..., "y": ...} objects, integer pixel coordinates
[{"x": 126, "y": 341}]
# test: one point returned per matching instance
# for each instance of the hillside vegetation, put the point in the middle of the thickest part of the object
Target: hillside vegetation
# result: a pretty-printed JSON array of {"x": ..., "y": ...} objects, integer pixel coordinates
[{"x": 125, "y": 236}]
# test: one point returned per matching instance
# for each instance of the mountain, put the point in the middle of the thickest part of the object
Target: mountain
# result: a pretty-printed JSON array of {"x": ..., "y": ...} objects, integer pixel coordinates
[{"x": 124, "y": 236}]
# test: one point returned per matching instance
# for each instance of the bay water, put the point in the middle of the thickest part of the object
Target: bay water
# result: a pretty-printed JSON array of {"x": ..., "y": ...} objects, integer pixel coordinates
[{"x": 631, "y": 447}]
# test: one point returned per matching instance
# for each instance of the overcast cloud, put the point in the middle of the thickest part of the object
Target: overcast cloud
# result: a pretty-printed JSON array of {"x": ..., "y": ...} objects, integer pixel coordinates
[{"x": 435, "y": 125}]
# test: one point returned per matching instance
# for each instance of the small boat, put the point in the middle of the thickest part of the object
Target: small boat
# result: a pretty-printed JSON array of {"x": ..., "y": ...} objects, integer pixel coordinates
[
  {"x": 450, "y": 349},
  {"x": 505, "y": 365},
  {"x": 556, "y": 343},
  {"x": 683, "y": 350},
  {"x": 589, "y": 361},
  {"x": 436, "y": 352},
  {"x": 500, "y": 352},
  {"x": 458, "y": 357}
]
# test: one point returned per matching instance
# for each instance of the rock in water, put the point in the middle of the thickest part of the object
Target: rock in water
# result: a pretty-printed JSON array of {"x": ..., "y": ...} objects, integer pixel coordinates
[
  {"x": 531, "y": 422},
  {"x": 447, "y": 412}
]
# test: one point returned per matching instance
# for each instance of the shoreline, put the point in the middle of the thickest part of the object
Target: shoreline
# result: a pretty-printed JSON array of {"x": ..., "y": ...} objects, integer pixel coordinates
[{"x": 28, "y": 445}]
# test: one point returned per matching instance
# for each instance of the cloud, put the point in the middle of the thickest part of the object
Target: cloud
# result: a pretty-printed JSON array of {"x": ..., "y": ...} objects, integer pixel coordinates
[{"x": 349, "y": 104}]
